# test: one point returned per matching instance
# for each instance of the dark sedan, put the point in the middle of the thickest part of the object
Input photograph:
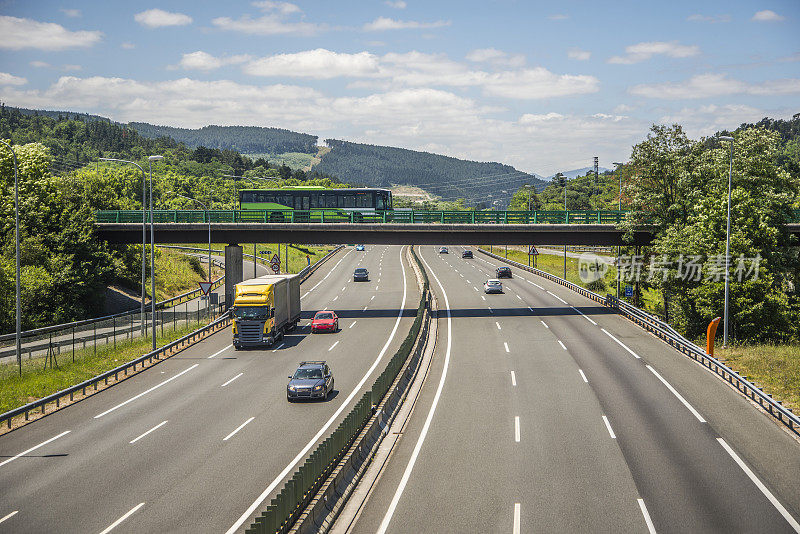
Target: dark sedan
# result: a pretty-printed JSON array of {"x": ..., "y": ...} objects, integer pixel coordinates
[
  {"x": 361, "y": 275},
  {"x": 312, "y": 380},
  {"x": 466, "y": 254},
  {"x": 503, "y": 272}
]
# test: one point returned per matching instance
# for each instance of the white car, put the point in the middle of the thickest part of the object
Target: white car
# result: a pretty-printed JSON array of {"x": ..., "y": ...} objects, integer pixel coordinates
[{"x": 493, "y": 286}]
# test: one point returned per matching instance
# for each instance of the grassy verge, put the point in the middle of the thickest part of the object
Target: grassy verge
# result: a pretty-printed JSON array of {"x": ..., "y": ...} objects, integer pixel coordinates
[
  {"x": 555, "y": 265},
  {"x": 776, "y": 368},
  {"x": 37, "y": 382},
  {"x": 178, "y": 273},
  {"x": 297, "y": 253}
]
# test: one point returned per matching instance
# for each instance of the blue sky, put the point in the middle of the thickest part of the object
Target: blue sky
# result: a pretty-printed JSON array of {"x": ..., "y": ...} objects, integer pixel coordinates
[{"x": 540, "y": 85}]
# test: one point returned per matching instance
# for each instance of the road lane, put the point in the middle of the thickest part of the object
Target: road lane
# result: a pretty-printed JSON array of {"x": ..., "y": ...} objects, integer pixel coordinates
[{"x": 185, "y": 471}]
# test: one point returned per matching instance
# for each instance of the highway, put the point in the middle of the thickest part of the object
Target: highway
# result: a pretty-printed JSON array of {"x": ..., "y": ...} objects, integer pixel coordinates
[
  {"x": 544, "y": 412},
  {"x": 201, "y": 440}
]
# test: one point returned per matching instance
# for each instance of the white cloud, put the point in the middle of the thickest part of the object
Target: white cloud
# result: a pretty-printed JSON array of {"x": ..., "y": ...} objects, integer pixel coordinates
[
  {"x": 128, "y": 46},
  {"x": 496, "y": 57},
  {"x": 385, "y": 23},
  {"x": 397, "y": 4},
  {"x": 318, "y": 64},
  {"x": 158, "y": 18},
  {"x": 537, "y": 83},
  {"x": 707, "y": 120},
  {"x": 10, "y": 79},
  {"x": 285, "y": 8},
  {"x": 767, "y": 16},
  {"x": 19, "y": 34},
  {"x": 204, "y": 61},
  {"x": 711, "y": 85},
  {"x": 71, "y": 13},
  {"x": 578, "y": 54},
  {"x": 712, "y": 19},
  {"x": 644, "y": 51},
  {"x": 267, "y": 25},
  {"x": 39, "y": 64}
]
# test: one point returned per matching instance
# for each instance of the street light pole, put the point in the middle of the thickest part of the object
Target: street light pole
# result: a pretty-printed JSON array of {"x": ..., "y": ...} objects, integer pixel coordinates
[
  {"x": 18, "y": 336},
  {"x": 566, "y": 220},
  {"x": 619, "y": 208},
  {"x": 727, "y": 242},
  {"x": 144, "y": 232},
  {"x": 150, "y": 160}
]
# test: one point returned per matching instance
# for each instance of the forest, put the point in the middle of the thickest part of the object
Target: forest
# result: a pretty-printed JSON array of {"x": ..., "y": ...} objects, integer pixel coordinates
[{"x": 479, "y": 184}]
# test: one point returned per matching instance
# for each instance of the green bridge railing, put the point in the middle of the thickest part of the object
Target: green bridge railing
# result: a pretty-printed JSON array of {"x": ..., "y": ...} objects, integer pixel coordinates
[{"x": 383, "y": 216}]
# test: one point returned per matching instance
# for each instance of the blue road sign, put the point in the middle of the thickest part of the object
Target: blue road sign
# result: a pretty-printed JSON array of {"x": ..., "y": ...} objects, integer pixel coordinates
[{"x": 628, "y": 291}]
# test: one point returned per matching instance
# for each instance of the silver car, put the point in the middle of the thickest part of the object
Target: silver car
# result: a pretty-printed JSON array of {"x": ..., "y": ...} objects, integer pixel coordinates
[{"x": 493, "y": 286}]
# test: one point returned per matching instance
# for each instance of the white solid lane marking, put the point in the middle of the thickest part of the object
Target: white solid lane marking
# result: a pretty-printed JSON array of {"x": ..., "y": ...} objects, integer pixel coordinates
[
  {"x": 413, "y": 460},
  {"x": 42, "y": 444},
  {"x": 544, "y": 323},
  {"x": 219, "y": 352},
  {"x": 562, "y": 345},
  {"x": 238, "y": 428},
  {"x": 134, "y": 440},
  {"x": 583, "y": 376},
  {"x": 516, "y": 528},
  {"x": 143, "y": 393},
  {"x": 336, "y": 297},
  {"x": 608, "y": 426},
  {"x": 505, "y": 344},
  {"x": 537, "y": 285},
  {"x": 498, "y": 325},
  {"x": 344, "y": 288},
  {"x": 352, "y": 324},
  {"x": 584, "y": 315},
  {"x": 372, "y": 297},
  {"x": 305, "y": 295},
  {"x": 513, "y": 379},
  {"x": 231, "y": 380},
  {"x": 516, "y": 429},
  {"x": 650, "y": 527},
  {"x": 484, "y": 298},
  {"x": 300, "y": 455},
  {"x": 680, "y": 397},
  {"x": 9, "y": 516},
  {"x": 520, "y": 298},
  {"x": 278, "y": 347},
  {"x": 767, "y": 493},
  {"x": 116, "y": 523},
  {"x": 330, "y": 349},
  {"x": 620, "y": 343}
]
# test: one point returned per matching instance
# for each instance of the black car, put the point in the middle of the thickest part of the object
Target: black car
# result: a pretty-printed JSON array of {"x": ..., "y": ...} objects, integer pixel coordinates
[
  {"x": 503, "y": 272},
  {"x": 466, "y": 254},
  {"x": 361, "y": 275},
  {"x": 312, "y": 380}
]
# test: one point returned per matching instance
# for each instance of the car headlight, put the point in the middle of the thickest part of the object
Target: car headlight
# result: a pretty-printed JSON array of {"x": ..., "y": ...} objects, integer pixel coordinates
[
  {"x": 318, "y": 388},
  {"x": 292, "y": 388}
]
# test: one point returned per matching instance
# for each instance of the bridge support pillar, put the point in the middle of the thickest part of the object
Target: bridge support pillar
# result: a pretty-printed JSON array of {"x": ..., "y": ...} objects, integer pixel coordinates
[{"x": 234, "y": 272}]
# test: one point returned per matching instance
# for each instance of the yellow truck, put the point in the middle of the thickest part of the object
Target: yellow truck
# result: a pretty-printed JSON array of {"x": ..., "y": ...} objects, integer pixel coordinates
[{"x": 264, "y": 309}]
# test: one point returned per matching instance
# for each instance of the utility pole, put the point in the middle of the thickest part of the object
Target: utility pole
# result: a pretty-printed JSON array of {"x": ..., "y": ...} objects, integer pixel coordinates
[
  {"x": 727, "y": 243},
  {"x": 619, "y": 208}
]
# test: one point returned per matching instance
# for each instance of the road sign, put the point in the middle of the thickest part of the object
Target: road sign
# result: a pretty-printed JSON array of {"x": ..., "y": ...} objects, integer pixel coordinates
[
  {"x": 628, "y": 291},
  {"x": 276, "y": 260},
  {"x": 205, "y": 287},
  {"x": 276, "y": 268},
  {"x": 532, "y": 251}
]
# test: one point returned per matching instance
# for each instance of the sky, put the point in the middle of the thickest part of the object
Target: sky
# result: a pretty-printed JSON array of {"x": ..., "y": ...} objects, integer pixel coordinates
[{"x": 542, "y": 86}]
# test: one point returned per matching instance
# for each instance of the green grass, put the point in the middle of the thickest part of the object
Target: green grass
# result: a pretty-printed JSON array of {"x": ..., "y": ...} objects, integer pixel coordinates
[
  {"x": 555, "y": 265},
  {"x": 294, "y": 160},
  {"x": 776, "y": 368},
  {"x": 178, "y": 273},
  {"x": 297, "y": 253},
  {"x": 37, "y": 382}
]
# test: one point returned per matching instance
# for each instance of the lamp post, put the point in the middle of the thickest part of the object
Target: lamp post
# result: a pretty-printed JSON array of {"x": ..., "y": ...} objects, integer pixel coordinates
[
  {"x": 566, "y": 220},
  {"x": 144, "y": 231},
  {"x": 619, "y": 208},
  {"x": 727, "y": 241},
  {"x": 18, "y": 336},
  {"x": 150, "y": 160}
]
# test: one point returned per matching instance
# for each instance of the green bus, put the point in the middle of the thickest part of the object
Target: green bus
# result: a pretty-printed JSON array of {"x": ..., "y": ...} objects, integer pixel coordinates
[{"x": 309, "y": 198}]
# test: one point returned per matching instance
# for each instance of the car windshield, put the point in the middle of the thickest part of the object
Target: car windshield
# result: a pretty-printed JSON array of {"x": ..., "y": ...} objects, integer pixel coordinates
[
  {"x": 324, "y": 316},
  {"x": 504, "y": 269},
  {"x": 361, "y": 271},
  {"x": 308, "y": 374},
  {"x": 251, "y": 312},
  {"x": 493, "y": 283}
]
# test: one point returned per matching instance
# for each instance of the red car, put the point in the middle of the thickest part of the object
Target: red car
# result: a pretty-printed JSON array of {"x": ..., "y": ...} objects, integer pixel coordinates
[{"x": 325, "y": 321}]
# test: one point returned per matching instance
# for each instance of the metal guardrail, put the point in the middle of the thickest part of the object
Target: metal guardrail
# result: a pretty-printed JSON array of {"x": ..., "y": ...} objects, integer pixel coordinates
[
  {"x": 667, "y": 334},
  {"x": 366, "y": 216},
  {"x": 297, "y": 492},
  {"x": 42, "y": 403}
]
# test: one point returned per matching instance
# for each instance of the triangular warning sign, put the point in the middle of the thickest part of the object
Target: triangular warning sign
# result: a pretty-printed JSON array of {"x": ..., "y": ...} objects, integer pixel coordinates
[
  {"x": 532, "y": 251},
  {"x": 205, "y": 287}
]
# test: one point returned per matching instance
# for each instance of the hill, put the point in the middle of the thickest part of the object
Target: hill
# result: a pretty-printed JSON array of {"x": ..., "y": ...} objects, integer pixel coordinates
[
  {"x": 243, "y": 139},
  {"x": 480, "y": 184},
  {"x": 575, "y": 173}
]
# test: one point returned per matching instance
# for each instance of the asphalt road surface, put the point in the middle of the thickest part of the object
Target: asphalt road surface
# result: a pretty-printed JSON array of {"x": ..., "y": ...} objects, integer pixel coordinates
[
  {"x": 543, "y": 412},
  {"x": 203, "y": 440}
]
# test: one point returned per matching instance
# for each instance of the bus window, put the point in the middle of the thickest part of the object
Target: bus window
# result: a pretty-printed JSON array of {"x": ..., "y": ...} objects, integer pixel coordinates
[
  {"x": 364, "y": 200},
  {"x": 380, "y": 202}
]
